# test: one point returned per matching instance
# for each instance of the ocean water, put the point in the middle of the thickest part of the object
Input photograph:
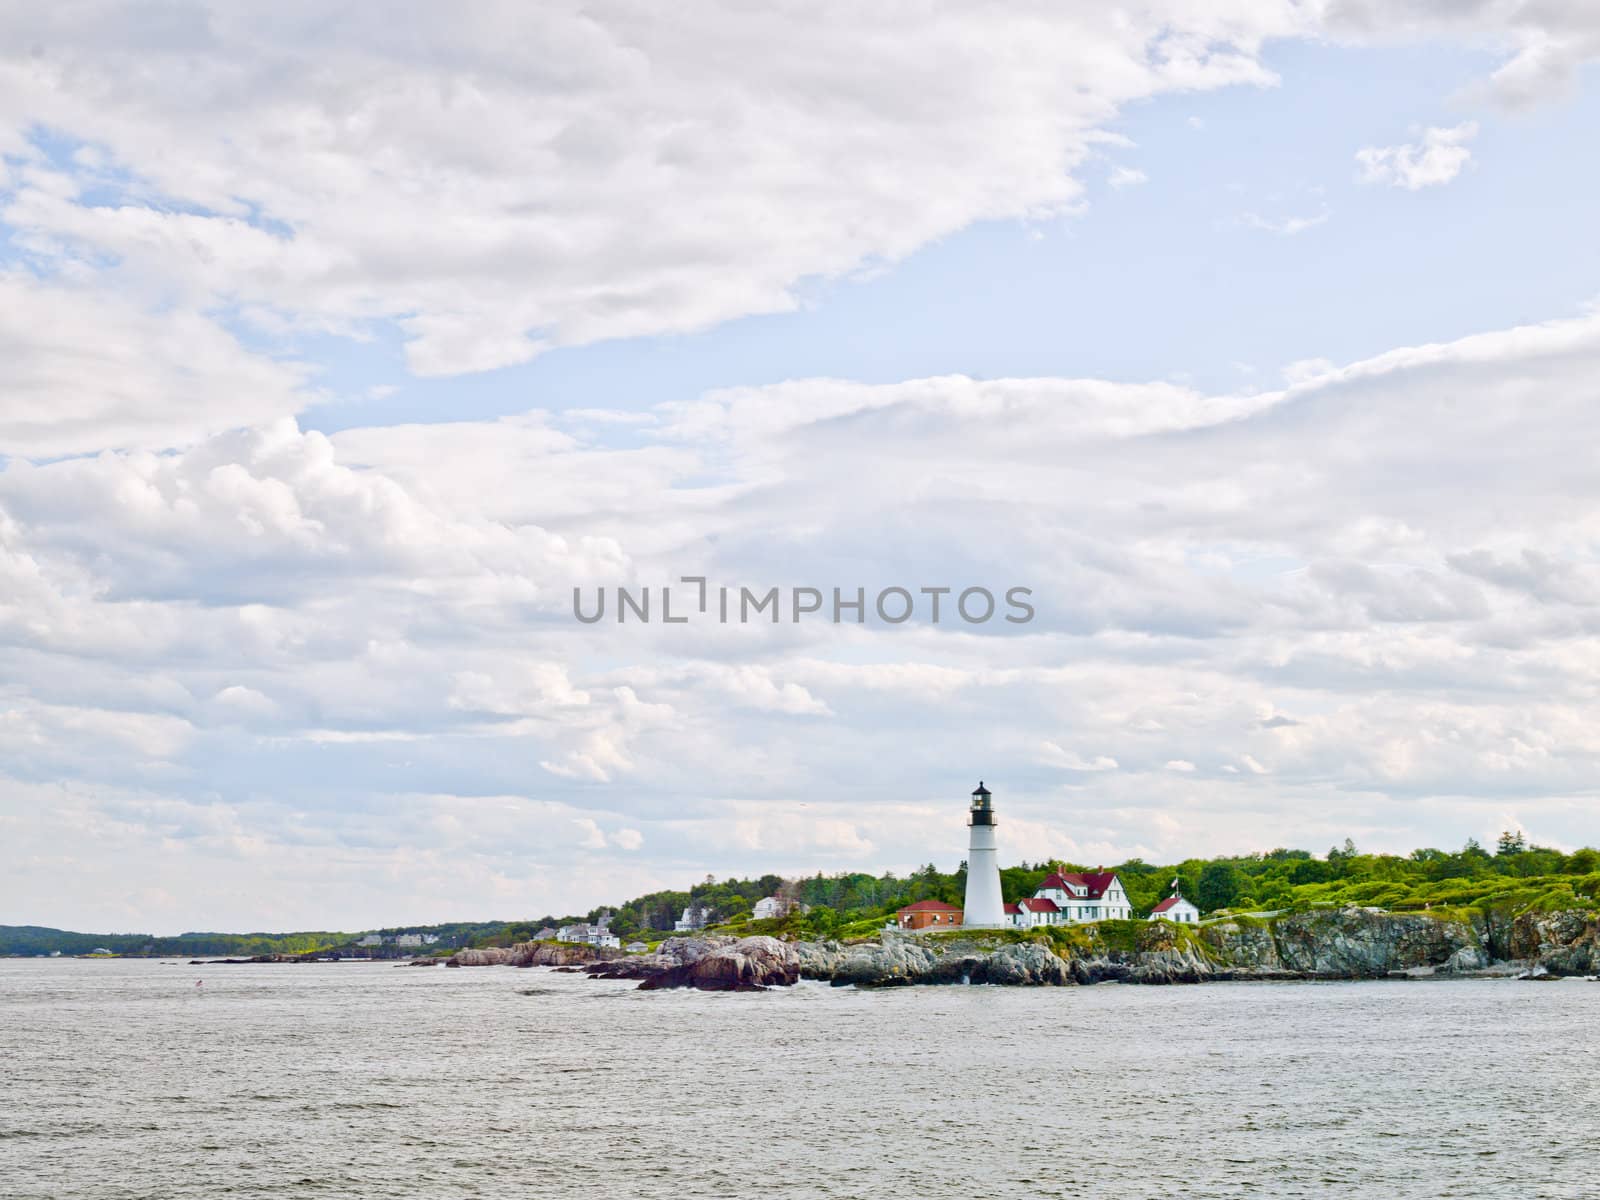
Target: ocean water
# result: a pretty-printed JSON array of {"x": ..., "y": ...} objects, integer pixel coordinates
[{"x": 124, "y": 1079}]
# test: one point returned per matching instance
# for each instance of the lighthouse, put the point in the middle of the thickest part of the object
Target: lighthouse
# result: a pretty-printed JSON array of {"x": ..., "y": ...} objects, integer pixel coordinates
[{"x": 984, "y": 908}]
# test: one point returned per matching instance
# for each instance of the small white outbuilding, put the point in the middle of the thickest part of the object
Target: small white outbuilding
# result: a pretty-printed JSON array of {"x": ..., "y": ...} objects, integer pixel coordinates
[{"x": 1176, "y": 908}]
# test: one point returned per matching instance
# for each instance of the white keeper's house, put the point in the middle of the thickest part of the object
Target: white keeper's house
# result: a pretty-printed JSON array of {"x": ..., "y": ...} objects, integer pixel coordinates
[
  {"x": 1068, "y": 899},
  {"x": 1176, "y": 908}
]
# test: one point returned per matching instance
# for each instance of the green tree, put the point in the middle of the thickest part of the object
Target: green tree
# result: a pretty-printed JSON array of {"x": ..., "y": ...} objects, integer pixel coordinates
[
  {"x": 822, "y": 920},
  {"x": 1511, "y": 842},
  {"x": 1218, "y": 886},
  {"x": 1582, "y": 862}
]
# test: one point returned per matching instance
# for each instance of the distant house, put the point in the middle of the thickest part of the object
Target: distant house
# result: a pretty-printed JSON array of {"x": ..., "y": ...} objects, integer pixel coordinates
[
  {"x": 429, "y": 939},
  {"x": 777, "y": 906},
  {"x": 589, "y": 935},
  {"x": 928, "y": 914},
  {"x": 696, "y": 916},
  {"x": 636, "y": 947},
  {"x": 99, "y": 950},
  {"x": 413, "y": 940},
  {"x": 545, "y": 935},
  {"x": 1176, "y": 908},
  {"x": 769, "y": 907},
  {"x": 372, "y": 939}
]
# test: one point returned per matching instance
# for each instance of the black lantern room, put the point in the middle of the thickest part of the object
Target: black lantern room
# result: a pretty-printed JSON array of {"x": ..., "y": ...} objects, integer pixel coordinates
[{"x": 982, "y": 813}]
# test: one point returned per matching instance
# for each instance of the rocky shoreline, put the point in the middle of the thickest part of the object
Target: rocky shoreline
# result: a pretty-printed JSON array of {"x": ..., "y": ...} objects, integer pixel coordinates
[{"x": 1349, "y": 943}]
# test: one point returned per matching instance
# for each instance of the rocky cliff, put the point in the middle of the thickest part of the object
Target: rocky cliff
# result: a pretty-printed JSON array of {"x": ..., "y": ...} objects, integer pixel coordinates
[
  {"x": 1564, "y": 943},
  {"x": 1349, "y": 943}
]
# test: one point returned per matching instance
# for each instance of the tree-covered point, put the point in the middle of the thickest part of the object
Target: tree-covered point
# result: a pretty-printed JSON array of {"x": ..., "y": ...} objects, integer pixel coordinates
[{"x": 1519, "y": 876}]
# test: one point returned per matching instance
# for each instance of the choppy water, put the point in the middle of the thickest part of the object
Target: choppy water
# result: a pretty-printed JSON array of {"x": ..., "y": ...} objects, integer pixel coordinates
[{"x": 122, "y": 1079}]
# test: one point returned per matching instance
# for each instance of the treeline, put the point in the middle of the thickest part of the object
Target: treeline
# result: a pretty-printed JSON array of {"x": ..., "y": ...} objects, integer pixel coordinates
[
  {"x": 1270, "y": 880},
  {"x": 39, "y": 940},
  {"x": 35, "y": 940}
]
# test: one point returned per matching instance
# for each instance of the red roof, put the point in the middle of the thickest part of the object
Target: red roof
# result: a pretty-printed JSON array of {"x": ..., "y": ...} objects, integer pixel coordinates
[
  {"x": 1035, "y": 904},
  {"x": 1012, "y": 908},
  {"x": 1166, "y": 904},
  {"x": 1094, "y": 882},
  {"x": 931, "y": 906}
]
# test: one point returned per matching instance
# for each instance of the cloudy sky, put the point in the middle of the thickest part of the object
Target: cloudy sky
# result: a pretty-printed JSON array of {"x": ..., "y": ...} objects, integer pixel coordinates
[{"x": 1259, "y": 339}]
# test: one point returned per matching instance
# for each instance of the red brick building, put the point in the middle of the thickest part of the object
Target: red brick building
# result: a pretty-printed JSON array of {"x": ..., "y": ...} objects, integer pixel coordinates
[{"x": 928, "y": 914}]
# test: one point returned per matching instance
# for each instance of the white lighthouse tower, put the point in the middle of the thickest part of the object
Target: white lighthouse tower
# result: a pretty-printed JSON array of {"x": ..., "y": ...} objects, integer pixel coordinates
[{"x": 985, "y": 909}]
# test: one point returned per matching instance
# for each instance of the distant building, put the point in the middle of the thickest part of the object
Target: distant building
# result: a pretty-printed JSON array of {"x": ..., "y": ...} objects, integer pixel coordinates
[
  {"x": 1176, "y": 908},
  {"x": 372, "y": 939},
  {"x": 696, "y": 916},
  {"x": 780, "y": 905},
  {"x": 769, "y": 907},
  {"x": 546, "y": 934},
  {"x": 636, "y": 947},
  {"x": 928, "y": 914},
  {"x": 409, "y": 939},
  {"x": 589, "y": 935},
  {"x": 99, "y": 950}
]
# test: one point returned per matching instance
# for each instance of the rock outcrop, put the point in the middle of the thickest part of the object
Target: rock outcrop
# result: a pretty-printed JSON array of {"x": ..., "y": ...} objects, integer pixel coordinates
[
  {"x": 533, "y": 954},
  {"x": 1563, "y": 943},
  {"x": 1355, "y": 943},
  {"x": 487, "y": 956},
  {"x": 712, "y": 964}
]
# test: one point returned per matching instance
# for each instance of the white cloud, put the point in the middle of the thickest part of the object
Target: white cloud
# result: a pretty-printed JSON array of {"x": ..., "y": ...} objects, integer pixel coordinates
[
  {"x": 591, "y": 836},
  {"x": 1069, "y": 760},
  {"x": 87, "y": 370},
  {"x": 1286, "y": 226},
  {"x": 628, "y": 839},
  {"x": 355, "y": 611},
  {"x": 1122, "y": 177},
  {"x": 1181, "y": 765},
  {"x": 1437, "y": 159},
  {"x": 1546, "y": 44},
  {"x": 480, "y": 178}
]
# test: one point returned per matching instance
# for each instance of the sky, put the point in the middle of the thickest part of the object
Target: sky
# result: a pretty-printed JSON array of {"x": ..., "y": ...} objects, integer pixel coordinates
[{"x": 1257, "y": 340}]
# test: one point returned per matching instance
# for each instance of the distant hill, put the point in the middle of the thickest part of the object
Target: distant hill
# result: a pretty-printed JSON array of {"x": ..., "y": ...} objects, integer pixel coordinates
[{"x": 40, "y": 940}]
